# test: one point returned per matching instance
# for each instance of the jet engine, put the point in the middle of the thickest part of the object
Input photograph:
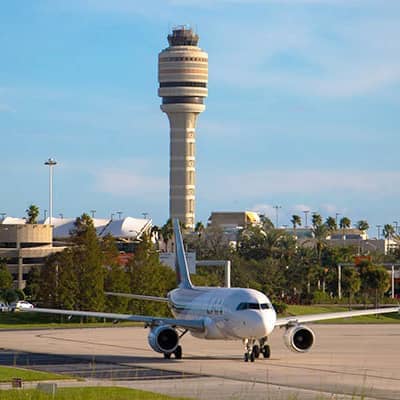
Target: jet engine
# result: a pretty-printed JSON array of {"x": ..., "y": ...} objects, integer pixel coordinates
[
  {"x": 299, "y": 338},
  {"x": 163, "y": 339}
]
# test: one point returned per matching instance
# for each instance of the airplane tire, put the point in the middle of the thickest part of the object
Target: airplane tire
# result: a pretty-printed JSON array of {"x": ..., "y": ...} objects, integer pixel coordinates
[
  {"x": 252, "y": 356},
  {"x": 256, "y": 351},
  {"x": 178, "y": 353},
  {"x": 246, "y": 357},
  {"x": 167, "y": 356},
  {"x": 266, "y": 351}
]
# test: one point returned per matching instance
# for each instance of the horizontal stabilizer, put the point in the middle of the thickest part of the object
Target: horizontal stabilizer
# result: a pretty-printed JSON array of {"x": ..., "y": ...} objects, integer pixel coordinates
[{"x": 138, "y": 296}]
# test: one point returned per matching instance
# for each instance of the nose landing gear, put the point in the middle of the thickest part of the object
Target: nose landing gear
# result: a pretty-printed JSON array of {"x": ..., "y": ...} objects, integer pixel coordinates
[{"x": 253, "y": 349}]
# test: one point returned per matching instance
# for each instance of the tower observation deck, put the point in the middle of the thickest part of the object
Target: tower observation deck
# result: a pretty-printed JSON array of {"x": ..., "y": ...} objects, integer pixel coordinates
[{"x": 183, "y": 78}]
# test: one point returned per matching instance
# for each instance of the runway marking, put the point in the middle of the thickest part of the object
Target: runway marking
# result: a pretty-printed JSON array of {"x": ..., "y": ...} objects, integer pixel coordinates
[{"x": 88, "y": 368}]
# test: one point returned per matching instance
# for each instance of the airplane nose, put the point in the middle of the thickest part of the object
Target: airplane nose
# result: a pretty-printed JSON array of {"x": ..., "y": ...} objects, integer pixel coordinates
[{"x": 259, "y": 324}]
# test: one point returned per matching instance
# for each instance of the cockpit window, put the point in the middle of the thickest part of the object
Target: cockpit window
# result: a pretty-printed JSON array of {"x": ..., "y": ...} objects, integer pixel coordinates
[{"x": 252, "y": 306}]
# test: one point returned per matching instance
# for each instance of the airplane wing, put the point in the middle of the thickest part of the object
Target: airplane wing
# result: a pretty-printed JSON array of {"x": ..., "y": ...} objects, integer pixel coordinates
[
  {"x": 193, "y": 324},
  {"x": 294, "y": 320},
  {"x": 138, "y": 296}
]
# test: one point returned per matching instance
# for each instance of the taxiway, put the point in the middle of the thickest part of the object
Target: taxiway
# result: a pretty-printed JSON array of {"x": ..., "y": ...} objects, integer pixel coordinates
[{"x": 350, "y": 361}]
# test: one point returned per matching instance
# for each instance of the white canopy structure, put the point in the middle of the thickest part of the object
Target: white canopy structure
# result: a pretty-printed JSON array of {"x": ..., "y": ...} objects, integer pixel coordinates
[
  {"x": 13, "y": 221},
  {"x": 127, "y": 228}
]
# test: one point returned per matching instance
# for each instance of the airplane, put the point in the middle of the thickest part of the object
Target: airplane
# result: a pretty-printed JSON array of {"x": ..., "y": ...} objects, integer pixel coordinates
[{"x": 218, "y": 313}]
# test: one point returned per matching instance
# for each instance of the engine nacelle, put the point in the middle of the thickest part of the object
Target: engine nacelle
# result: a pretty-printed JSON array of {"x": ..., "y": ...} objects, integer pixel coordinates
[
  {"x": 163, "y": 339},
  {"x": 299, "y": 338}
]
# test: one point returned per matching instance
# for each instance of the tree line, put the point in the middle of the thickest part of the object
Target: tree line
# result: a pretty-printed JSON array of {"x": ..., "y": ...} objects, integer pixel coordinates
[
  {"x": 77, "y": 277},
  {"x": 263, "y": 257}
]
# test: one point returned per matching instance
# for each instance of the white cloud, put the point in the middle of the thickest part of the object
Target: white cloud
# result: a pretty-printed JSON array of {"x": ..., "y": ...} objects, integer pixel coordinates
[
  {"x": 6, "y": 108},
  {"x": 127, "y": 184},
  {"x": 309, "y": 182},
  {"x": 340, "y": 60}
]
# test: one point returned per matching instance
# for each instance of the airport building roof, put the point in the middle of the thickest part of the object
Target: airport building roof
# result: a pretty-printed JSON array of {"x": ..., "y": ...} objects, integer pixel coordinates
[{"x": 126, "y": 228}]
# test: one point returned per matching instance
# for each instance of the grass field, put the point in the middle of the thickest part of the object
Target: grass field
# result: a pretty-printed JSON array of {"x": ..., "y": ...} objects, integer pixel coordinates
[
  {"x": 8, "y": 373},
  {"x": 24, "y": 320},
  {"x": 87, "y": 393}
]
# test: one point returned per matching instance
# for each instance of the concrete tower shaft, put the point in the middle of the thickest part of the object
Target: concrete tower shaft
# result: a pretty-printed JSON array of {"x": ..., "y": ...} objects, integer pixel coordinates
[{"x": 183, "y": 78}]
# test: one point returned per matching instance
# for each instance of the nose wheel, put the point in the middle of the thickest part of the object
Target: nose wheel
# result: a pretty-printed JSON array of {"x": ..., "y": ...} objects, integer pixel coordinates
[
  {"x": 254, "y": 349},
  {"x": 265, "y": 348}
]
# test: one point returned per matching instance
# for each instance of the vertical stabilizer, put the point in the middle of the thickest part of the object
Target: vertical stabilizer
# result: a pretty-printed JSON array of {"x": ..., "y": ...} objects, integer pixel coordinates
[{"x": 181, "y": 267}]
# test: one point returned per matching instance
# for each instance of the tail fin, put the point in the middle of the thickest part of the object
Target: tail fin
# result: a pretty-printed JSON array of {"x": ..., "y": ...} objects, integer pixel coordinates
[{"x": 181, "y": 267}]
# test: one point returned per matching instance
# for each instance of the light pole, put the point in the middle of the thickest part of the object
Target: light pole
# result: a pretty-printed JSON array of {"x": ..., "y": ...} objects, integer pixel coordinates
[
  {"x": 277, "y": 215},
  {"x": 396, "y": 225},
  {"x": 336, "y": 215},
  {"x": 379, "y": 231},
  {"x": 145, "y": 215},
  {"x": 119, "y": 214},
  {"x": 305, "y": 217},
  {"x": 92, "y": 212},
  {"x": 51, "y": 162}
]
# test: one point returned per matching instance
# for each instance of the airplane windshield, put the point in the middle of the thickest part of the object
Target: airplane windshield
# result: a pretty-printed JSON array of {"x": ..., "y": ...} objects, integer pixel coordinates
[{"x": 253, "y": 306}]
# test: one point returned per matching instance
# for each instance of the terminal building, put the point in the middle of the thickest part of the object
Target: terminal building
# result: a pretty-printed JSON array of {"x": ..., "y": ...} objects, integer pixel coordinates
[{"x": 24, "y": 246}]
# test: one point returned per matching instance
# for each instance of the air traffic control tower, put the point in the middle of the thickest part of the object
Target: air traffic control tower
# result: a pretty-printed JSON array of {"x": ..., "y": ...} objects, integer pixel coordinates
[{"x": 183, "y": 77}]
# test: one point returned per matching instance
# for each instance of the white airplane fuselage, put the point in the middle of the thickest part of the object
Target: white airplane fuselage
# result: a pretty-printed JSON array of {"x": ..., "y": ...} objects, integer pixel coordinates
[{"x": 228, "y": 313}]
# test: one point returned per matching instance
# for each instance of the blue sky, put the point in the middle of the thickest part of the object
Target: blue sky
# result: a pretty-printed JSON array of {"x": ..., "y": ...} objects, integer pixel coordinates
[{"x": 303, "y": 108}]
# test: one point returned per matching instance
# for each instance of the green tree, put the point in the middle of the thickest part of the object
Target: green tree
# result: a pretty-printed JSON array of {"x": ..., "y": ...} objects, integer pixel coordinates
[
  {"x": 316, "y": 220},
  {"x": 320, "y": 232},
  {"x": 33, "y": 282},
  {"x": 330, "y": 222},
  {"x": 88, "y": 265},
  {"x": 388, "y": 231},
  {"x": 67, "y": 280},
  {"x": 167, "y": 230},
  {"x": 212, "y": 244},
  {"x": 33, "y": 213},
  {"x": 374, "y": 281},
  {"x": 351, "y": 282},
  {"x": 362, "y": 225},
  {"x": 199, "y": 228},
  {"x": 344, "y": 223},
  {"x": 252, "y": 243},
  {"x": 149, "y": 277},
  {"x": 266, "y": 223},
  {"x": 296, "y": 221},
  {"x": 116, "y": 279},
  {"x": 6, "y": 279},
  {"x": 47, "y": 282}
]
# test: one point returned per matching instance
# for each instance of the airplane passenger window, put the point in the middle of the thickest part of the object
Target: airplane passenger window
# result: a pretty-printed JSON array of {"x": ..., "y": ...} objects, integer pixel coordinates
[{"x": 264, "y": 306}]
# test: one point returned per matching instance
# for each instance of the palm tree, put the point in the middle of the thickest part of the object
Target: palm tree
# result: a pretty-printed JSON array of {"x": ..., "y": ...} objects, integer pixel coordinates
[
  {"x": 362, "y": 225},
  {"x": 344, "y": 223},
  {"x": 331, "y": 224},
  {"x": 33, "y": 212},
  {"x": 296, "y": 221},
  {"x": 316, "y": 220},
  {"x": 199, "y": 228},
  {"x": 388, "y": 231},
  {"x": 320, "y": 232}
]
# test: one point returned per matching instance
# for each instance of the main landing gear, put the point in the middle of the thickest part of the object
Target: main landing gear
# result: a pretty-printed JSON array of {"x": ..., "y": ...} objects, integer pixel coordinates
[{"x": 254, "y": 349}]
